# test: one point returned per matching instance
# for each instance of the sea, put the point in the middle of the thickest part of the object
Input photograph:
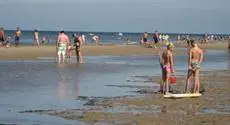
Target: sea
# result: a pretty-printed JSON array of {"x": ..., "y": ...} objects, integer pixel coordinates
[{"x": 105, "y": 37}]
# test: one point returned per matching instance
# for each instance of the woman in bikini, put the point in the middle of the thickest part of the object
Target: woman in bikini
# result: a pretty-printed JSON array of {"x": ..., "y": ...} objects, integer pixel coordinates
[{"x": 166, "y": 62}]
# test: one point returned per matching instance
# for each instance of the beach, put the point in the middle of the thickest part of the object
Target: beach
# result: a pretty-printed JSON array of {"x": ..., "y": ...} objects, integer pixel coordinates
[
  {"x": 125, "y": 81},
  {"x": 152, "y": 109},
  {"x": 29, "y": 52}
]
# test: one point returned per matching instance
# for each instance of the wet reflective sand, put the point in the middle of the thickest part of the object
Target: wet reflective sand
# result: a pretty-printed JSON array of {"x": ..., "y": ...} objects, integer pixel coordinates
[{"x": 44, "y": 85}]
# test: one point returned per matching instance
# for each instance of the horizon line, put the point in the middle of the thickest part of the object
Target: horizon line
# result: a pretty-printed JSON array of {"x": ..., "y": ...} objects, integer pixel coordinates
[{"x": 183, "y": 33}]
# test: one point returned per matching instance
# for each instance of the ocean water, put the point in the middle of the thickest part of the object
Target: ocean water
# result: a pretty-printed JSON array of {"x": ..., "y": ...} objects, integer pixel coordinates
[{"x": 105, "y": 37}]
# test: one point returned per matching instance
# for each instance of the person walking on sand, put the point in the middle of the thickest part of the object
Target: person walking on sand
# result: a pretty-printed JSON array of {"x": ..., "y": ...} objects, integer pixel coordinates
[
  {"x": 229, "y": 43},
  {"x": 145, "y": 37},
  {"x": 36, "y": 38},
  {"x": 95, "y": 39},
  {"x": 63, "y": 41},
  {"x": 195, "y": 58},
  {"x": 78, "y": 43},
  {"x": 83, "y": 38},
  {"x": 166, "y": 62},
  {"x": 17, "y": 36},
  {"x": 156, "y": 38},
  {"x": 2, "y": 36},
  {"x": 43, "y": 40},
  {"x": 8, "y": 41}
]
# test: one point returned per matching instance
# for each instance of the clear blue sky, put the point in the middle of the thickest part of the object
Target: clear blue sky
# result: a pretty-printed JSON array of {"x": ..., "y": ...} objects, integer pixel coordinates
[{"x": 193, "y": 16}]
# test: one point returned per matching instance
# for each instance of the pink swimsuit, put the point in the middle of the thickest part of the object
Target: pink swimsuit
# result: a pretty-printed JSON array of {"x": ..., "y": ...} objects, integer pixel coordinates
[{"x": 167, "y": 68}]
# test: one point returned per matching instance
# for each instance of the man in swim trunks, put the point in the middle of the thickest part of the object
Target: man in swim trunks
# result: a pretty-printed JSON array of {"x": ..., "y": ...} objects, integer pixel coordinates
[
  {"x": 195, "y": 58},
  {"x": 78, "y": 42},
  {"x": 145, "y": 37},
  {"x": 2, "y": 36},
  {"x": 36, "y": 38},
  {"x": 63, "y": 41},
  {"x": 166, "y": 61},
  {"x": 17, "y": 36}
]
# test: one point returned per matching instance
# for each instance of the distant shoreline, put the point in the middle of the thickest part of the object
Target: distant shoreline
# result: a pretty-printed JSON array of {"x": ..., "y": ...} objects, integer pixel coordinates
[{"x": 169, "y": 33}]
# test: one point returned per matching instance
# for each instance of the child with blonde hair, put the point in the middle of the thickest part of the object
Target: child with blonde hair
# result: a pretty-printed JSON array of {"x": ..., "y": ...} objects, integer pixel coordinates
[{"x": 69, "y": 50}]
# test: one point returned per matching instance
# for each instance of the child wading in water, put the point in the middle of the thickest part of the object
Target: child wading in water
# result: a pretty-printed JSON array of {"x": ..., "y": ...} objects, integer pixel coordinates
[{"x": 69, "y": 50}]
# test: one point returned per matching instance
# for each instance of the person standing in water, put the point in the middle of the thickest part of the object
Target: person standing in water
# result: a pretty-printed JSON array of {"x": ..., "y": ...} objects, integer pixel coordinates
[
  {"x": 195, "y": 58},
  {"x": 36, "y": 38},
  {"x": 17, "y": 36},
  {"x": 78, "y": 42},
  {"x": 166, "y": 61},
  {"x": 62, "y": 42}
]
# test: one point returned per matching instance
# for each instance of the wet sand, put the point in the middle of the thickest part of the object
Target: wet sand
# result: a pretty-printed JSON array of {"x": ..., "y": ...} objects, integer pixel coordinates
[
  {"x": 29, "y": 52},
  {"x": 216, "y": 46},
  {"x": 213, "y": 107}
]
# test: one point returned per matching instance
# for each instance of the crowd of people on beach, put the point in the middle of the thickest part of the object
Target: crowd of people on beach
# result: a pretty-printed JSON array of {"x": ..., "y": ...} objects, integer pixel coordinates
[
  {"x": 6, "y": 41},
  {"x": 164, "y": 39},
  {"x": 64, "y": 48},
  {"x": 156, "y": 39},
  {"x": 64, "y": 45}
]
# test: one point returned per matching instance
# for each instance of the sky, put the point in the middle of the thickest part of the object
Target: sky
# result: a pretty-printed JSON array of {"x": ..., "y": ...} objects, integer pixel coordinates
[{"x": 183, "y": 16}]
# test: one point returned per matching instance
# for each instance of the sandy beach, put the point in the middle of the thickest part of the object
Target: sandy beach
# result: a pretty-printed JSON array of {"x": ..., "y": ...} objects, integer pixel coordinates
[
  {"x": 29, "y": 52},
  {"x": 212, "y": 108},
  {"x": 152, "y": 109}
]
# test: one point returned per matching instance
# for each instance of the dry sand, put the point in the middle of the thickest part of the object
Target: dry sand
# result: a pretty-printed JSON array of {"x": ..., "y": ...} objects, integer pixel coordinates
[{"x": 29, "y": 52}]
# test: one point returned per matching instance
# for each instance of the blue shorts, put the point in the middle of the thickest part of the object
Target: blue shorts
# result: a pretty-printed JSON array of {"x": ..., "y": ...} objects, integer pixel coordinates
[{"x": 17, "y": 39}]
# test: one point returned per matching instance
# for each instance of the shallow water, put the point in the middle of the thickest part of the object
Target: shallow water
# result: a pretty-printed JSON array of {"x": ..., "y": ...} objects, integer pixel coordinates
[{"x": 43, "y": 84}]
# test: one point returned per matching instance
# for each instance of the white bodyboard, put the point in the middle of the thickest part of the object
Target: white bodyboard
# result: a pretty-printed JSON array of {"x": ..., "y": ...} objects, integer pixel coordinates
[{"x": 185, "y": 95}]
